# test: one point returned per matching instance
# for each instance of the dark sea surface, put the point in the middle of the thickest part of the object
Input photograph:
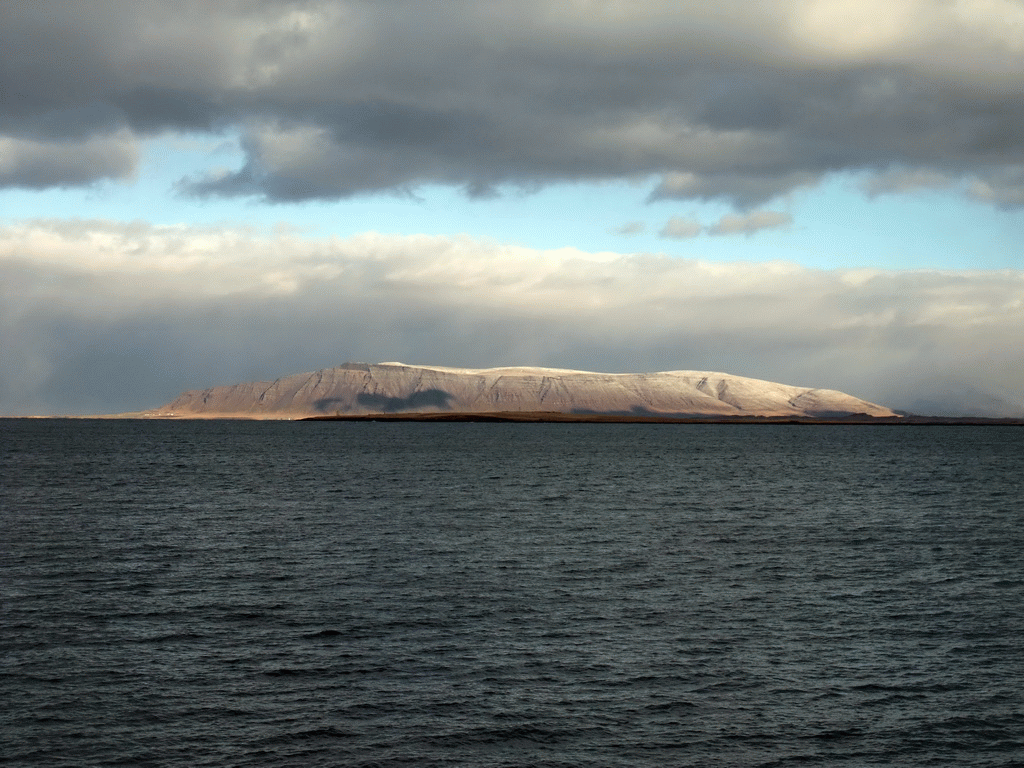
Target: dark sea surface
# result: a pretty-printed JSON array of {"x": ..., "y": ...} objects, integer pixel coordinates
[{"x": 428, "y": 594}]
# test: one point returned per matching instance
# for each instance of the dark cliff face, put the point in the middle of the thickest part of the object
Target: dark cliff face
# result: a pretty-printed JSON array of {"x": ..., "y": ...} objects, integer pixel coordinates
[{"x": 355, "y": 388}]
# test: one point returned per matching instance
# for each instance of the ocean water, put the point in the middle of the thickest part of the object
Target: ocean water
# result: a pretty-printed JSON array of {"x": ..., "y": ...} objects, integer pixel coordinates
[{"x": 381, "y": 594}]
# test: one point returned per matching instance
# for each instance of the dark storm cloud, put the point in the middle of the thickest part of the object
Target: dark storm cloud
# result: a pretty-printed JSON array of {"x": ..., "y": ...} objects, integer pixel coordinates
[
  {"x": 160, "y": 108},
  {"x": 86, "y": 325},
  {"x": 731, "y": 100}
]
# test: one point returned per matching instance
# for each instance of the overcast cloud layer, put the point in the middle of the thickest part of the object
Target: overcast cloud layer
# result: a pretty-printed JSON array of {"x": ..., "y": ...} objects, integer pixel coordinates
[
  {"x": 101, "y": 317},
  {"x": 734, "y": 100}
]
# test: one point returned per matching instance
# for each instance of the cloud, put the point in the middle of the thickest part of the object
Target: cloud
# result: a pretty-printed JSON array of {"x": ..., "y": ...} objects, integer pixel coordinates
[
  {"x": 1003, "y": 187},
  {"x": 743, "y": 189},
  {"x": 681, "y": 228},
  {"x": 109, "y": 317},
  {"x": 749, "y": 223},
  {"x": 62, "y": 163},
  {"x": 630, "y": 228},
  {"x": 730, "y": 224},
  {"x": 900, "y": 180},
  {"x": 333, "y": 98}
]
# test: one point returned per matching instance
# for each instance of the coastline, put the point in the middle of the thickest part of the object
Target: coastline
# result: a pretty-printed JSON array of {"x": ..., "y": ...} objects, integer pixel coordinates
[
  {"x": 555, "y": 417},
  {"x": 610, "y": 418}
]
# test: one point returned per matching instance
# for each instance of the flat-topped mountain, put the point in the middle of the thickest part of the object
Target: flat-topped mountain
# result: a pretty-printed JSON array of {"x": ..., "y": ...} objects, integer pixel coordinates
[{"x": 360, "y": 388}]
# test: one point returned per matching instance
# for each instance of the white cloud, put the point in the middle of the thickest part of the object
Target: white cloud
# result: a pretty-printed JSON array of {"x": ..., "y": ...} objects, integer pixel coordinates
[
  {"x": 749, "y": 223},
  {"x": 681, "y": 228},
  {"x": 630, "y": 228},
  {"x": 100, "y": 316},
  {"x": 859, "y": 29}
]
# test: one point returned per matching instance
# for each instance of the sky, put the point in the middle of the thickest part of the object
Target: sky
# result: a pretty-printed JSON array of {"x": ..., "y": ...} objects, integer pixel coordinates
[{"x": 824, "y": 193}]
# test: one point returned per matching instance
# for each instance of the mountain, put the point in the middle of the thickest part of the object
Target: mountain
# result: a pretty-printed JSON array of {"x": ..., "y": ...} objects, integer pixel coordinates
[{"x": 360, "y": 388}]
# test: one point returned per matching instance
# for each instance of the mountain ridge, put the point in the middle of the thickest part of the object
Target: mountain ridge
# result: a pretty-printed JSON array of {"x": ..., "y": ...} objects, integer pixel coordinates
[{"x": 396, "y": 388}]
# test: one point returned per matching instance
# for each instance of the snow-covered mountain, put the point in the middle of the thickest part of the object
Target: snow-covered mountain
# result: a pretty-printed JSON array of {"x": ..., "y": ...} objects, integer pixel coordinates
[{"x": 357, "y": 388}]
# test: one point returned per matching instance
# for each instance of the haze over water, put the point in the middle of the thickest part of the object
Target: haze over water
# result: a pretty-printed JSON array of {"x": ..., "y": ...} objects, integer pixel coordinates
[{"x": 375, "y": 594}]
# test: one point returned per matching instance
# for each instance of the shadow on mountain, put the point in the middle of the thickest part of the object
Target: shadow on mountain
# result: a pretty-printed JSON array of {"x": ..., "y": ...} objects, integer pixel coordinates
[
  {"x": 428, "y": 398},
  {"x": 326, "y": 404},
  {"x": 637, "y": 410}
]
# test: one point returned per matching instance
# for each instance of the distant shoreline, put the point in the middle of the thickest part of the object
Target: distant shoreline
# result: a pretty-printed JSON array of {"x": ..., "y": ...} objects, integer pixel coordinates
[
  {"x": 609, "y": 418},
  {"x": 554, "y": 417}
]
